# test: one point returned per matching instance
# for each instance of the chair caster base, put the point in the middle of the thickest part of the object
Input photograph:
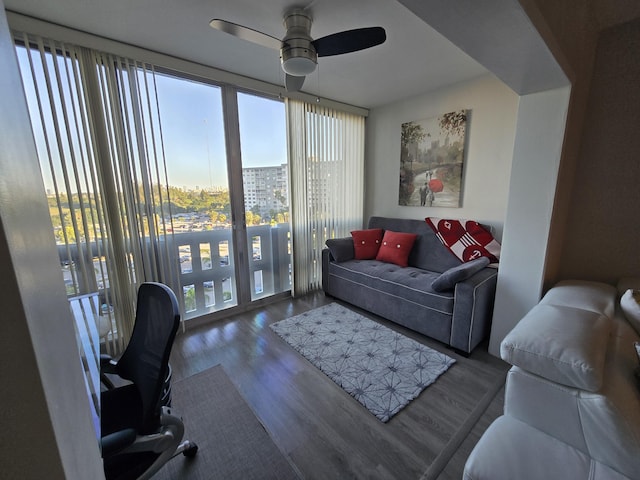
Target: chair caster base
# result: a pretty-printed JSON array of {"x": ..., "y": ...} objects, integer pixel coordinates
[{"x": 191, "y": 451}]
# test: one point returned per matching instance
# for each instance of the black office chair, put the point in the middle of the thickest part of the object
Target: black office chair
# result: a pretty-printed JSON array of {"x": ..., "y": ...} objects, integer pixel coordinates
[{"x": 139, "y": 431}]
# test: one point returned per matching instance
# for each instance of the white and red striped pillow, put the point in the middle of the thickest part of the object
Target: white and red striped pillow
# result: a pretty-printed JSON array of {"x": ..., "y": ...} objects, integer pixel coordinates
[{"x": 466, "y": 239}]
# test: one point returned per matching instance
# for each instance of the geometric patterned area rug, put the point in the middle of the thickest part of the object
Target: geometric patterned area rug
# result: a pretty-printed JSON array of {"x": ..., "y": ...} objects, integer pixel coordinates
[{"x": 381, "y": 368}]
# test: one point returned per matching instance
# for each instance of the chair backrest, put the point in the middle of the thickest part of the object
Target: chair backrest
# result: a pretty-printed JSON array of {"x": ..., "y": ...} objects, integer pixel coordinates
[{"x": 145, "y": 361}]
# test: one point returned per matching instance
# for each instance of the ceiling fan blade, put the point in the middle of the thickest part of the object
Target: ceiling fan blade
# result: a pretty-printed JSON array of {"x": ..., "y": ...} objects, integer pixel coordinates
[
  {"x": 292, "y": 83},
  {"x": 246, "y": 33},
  {"x": 349, "y": 41}
]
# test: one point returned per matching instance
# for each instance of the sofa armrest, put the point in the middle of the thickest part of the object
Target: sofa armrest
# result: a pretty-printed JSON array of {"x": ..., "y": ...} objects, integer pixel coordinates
[
  {"x": 341, "y": 249},
  {"x": 326, "y": 258},
  {"x": 473, "y": 308}
]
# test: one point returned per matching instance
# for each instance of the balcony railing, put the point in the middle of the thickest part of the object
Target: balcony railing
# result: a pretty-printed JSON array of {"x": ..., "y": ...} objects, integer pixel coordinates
[{"x": 206, "y": 273}]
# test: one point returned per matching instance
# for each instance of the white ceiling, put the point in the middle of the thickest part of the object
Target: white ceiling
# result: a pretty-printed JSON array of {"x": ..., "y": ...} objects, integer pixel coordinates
[{"x": 414, "y": 59}]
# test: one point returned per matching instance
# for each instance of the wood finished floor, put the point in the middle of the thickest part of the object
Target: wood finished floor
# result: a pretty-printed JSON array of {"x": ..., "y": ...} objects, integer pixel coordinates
[{"x": 326, "y": 433}]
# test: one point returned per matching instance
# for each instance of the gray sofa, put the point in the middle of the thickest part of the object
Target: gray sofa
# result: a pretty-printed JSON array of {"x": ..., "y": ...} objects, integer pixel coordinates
[
  {"x": 457, "y": 313},
  {"x": 572, "y": 404}
]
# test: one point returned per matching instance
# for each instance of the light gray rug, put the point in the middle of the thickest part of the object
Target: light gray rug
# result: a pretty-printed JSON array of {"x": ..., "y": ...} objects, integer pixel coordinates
[{"x": 381, "y": 368}]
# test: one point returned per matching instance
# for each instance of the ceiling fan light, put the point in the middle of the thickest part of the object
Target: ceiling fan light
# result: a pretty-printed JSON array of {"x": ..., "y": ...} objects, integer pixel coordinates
[{"x": 298, "y": 66}]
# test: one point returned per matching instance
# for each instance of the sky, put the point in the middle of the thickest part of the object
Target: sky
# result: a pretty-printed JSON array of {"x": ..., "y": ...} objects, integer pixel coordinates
[
  {"x": 192, "y": 128},
  {"x": 193, "y": 132}
]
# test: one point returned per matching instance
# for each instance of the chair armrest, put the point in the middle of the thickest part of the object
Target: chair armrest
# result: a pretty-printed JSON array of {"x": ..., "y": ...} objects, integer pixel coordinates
[
  {"x": 107, "y": 364},
  {"x": 116, "y": 441}
]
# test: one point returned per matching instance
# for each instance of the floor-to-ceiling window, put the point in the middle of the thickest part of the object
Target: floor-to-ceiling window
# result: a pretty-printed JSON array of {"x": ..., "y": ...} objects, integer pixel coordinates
[
  {"x": 168, "y": 138},
  {"x": 174, "y": 177}
]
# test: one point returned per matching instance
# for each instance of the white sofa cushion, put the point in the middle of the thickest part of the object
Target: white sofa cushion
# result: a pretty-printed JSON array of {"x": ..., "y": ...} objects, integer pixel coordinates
[
  {"x": 545, "y": 405},
  {"x": 511, "y": 449},
  {"x": 593, "y": 296},
  {"x": 563, "y": 344},
  {"x": 564, "y": 422},
  {"x": 605, "y": 424},
  {"x": 598, "y": 424}
]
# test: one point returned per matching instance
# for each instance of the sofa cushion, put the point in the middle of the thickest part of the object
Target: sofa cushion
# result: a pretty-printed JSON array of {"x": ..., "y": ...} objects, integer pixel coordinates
[
  {"x": 630, "y": 304},
  {"x": 396, "y": 247},
  {"x": 563, "y": 344},
  {"x": 366, "y": 243},
  {"x": 411, "y": 284},
  {"x": 598, "y": 423},
  {"x": 427, "y": 253},
  {"x": 341, "y": 248},
  {"x": 593, "y": 296},
  {"x": 447, "y": 280},
  {"x": 510, "y": 449}
]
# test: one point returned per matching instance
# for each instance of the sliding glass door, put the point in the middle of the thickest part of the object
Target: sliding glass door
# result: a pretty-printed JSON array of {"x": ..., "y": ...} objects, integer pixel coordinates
[
  {"x": 195, "y": 151},
  {"x": 227, "y": 166},
  {"x": 265, "y": 186}
]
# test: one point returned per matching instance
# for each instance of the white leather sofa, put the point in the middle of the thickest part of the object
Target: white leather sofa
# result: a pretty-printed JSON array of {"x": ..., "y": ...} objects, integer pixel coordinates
[{"x": 572, "y": 402}]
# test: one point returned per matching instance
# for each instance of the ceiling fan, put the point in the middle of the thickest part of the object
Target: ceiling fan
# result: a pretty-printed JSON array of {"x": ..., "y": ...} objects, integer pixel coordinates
[{"x": 299, "y": 52}]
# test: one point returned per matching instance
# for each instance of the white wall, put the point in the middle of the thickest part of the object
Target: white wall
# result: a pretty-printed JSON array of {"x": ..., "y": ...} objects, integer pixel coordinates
[
  {"x": 536, "y": 158},
  {"x": 47, "y": 430},
  {"x": 510, "y": 175},
  {"x": 491, "y": 132}
]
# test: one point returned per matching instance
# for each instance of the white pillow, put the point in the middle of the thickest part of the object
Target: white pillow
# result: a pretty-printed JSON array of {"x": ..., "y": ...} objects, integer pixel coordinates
[
  {"x": 630, "y": 303},
  {"x": 563, "y": 344}
]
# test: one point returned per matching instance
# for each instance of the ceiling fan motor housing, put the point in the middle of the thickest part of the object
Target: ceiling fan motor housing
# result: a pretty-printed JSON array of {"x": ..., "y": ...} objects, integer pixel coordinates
[{"x": 297, "y": 54}]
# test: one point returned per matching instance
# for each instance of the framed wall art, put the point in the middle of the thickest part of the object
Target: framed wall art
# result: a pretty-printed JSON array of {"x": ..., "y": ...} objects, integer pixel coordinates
[{"x": 432, "y": 160}]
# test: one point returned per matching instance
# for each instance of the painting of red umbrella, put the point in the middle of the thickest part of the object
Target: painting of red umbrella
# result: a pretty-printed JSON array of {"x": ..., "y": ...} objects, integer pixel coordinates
[
  {"x": 432, "y": 160},
  {"x": 436, "y": 185}
]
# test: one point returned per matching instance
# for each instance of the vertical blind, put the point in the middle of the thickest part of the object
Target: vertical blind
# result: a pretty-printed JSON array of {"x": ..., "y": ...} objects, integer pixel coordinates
[
  {"x": 99, "y": 140},
  {"x": 97, "y": 126},
  {"x": 326, "y": 162}
]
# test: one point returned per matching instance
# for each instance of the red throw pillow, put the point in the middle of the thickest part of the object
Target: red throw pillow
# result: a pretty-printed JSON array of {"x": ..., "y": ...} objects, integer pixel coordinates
[
  {"x": 396, "y": 247},
  {"x": 366, "y": 243}
]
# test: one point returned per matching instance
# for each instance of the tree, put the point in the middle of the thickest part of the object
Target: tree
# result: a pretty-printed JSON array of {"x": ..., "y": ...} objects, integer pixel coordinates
[
  {"x": 411, "y": 134},
  {"x": 280, "y": 197},
  {"x": 190, "y": 299},
  {"x": 252, "y": 218},
  {"x": 453, "y": 123},
  {"x": 71, "y": 234}
]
